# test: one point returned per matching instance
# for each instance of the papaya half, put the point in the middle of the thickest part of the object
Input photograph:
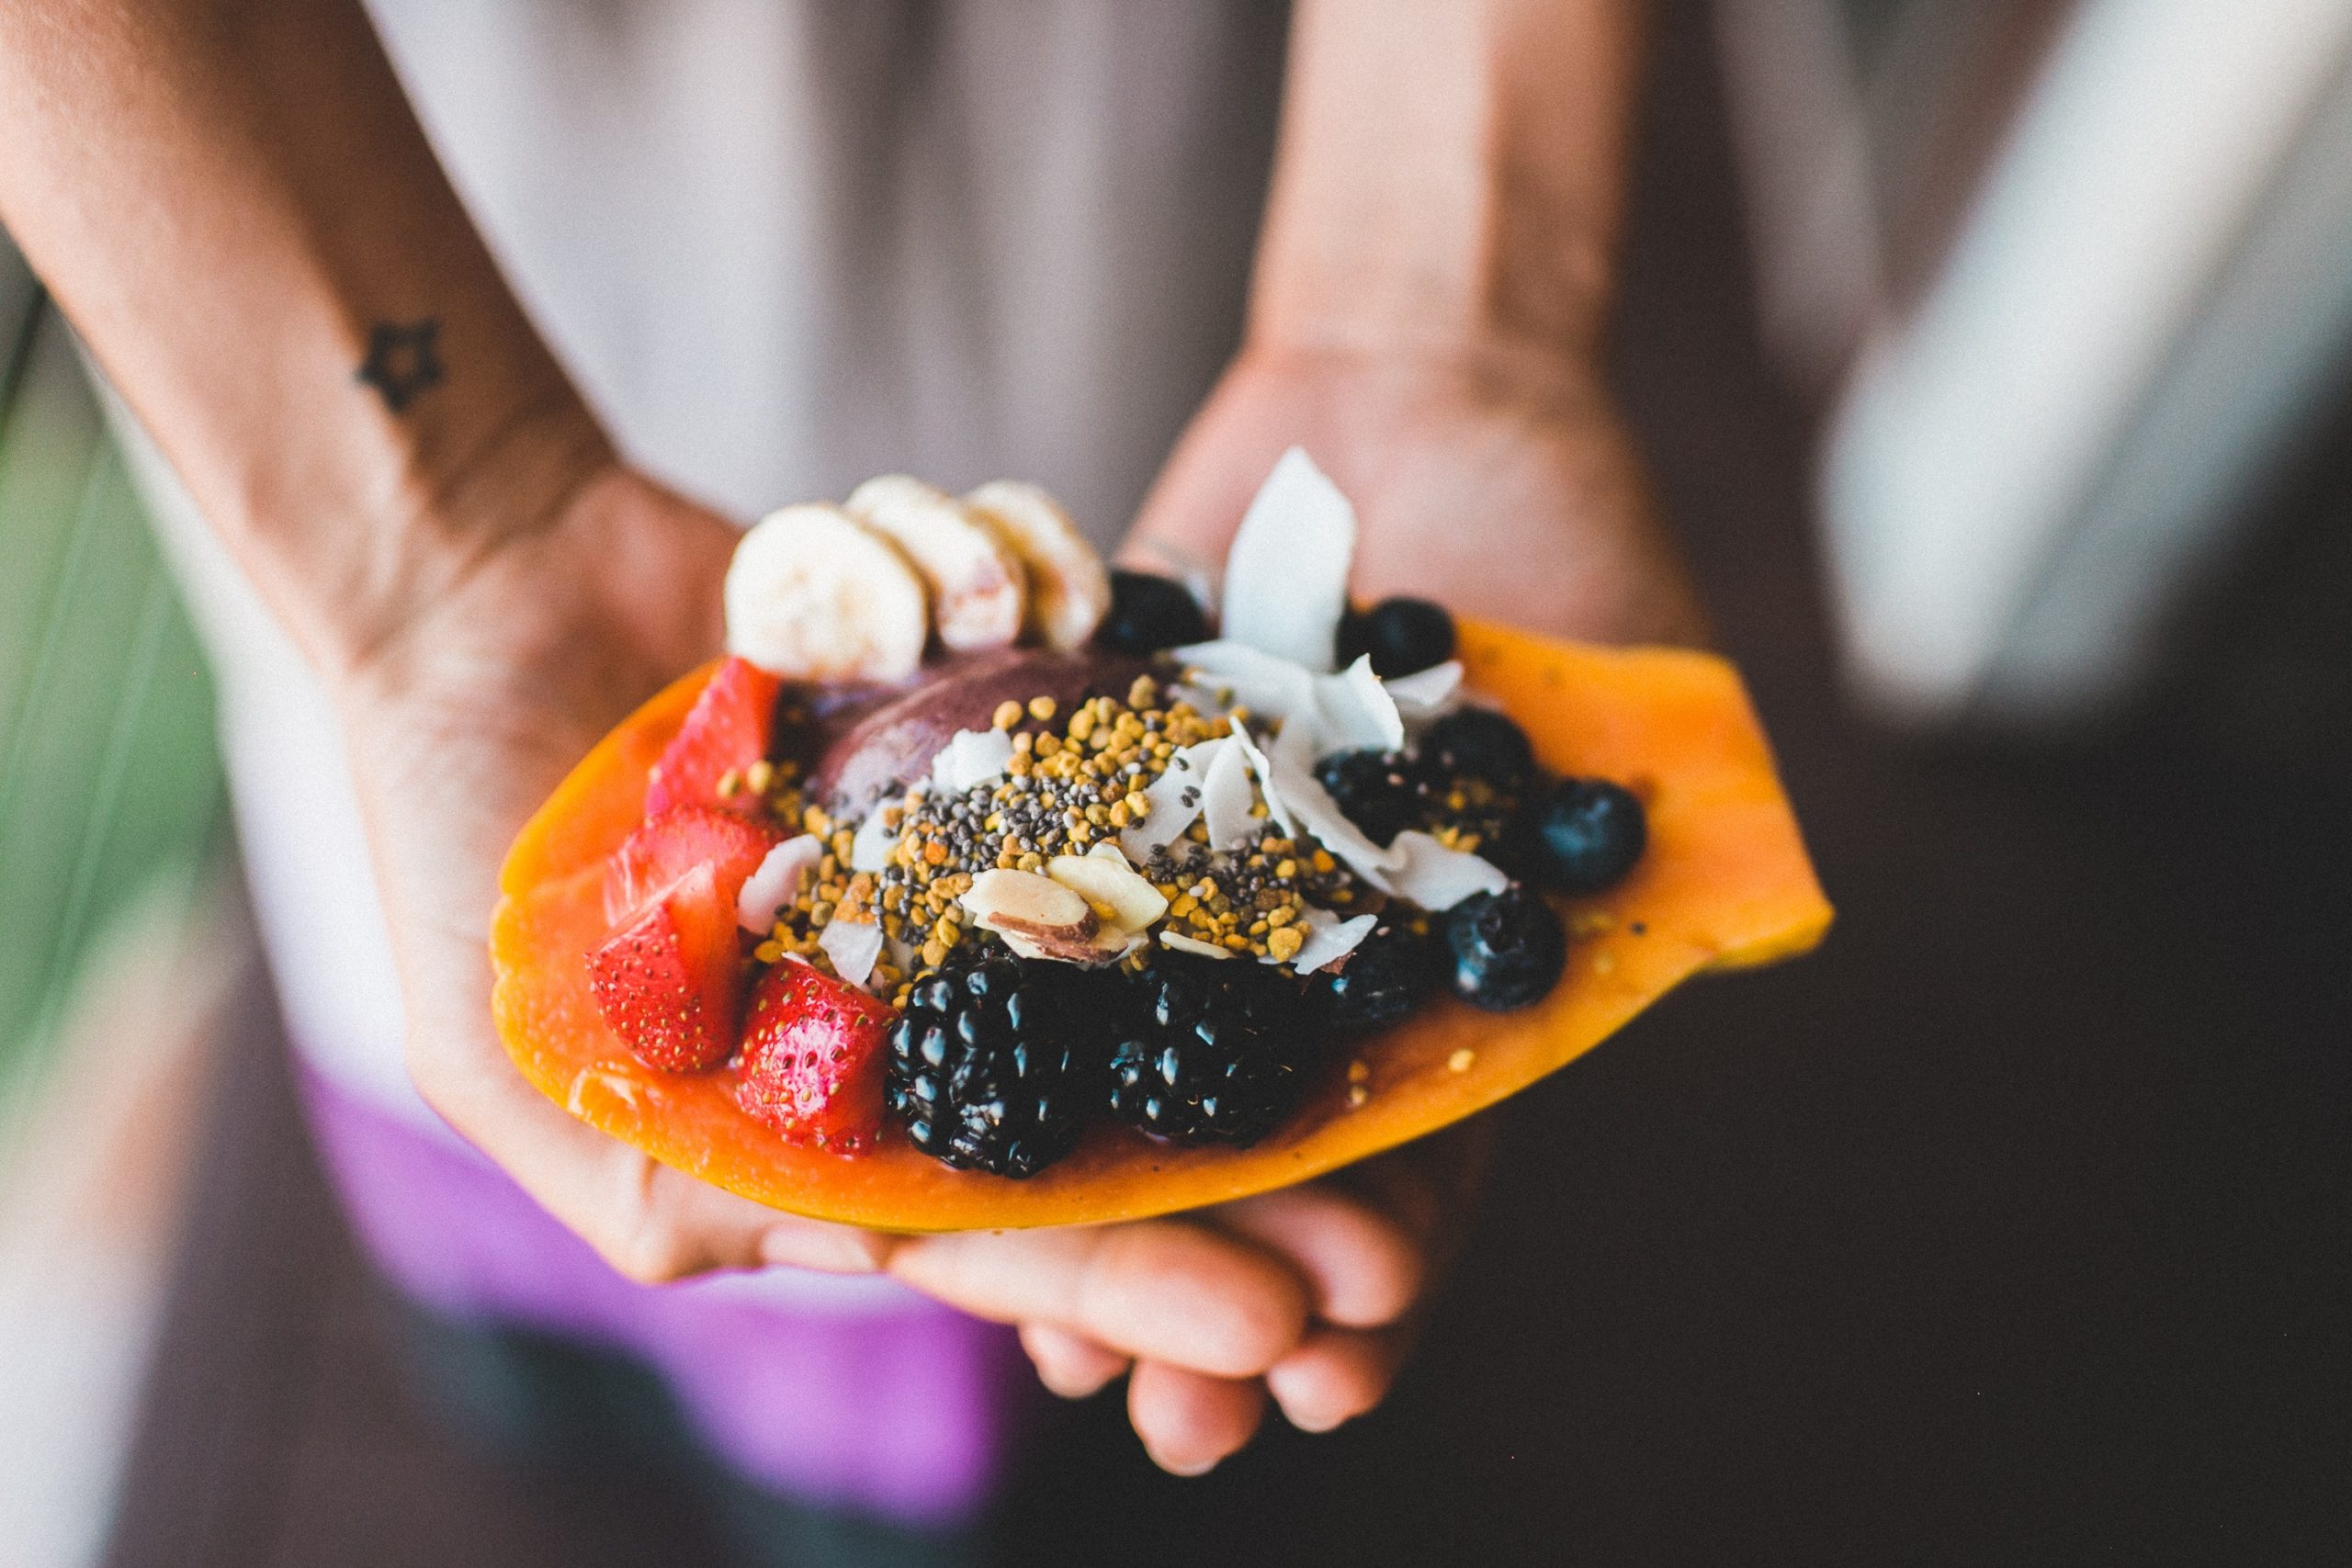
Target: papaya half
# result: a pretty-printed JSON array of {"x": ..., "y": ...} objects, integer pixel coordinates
[{"x": 1726, "y": 883}]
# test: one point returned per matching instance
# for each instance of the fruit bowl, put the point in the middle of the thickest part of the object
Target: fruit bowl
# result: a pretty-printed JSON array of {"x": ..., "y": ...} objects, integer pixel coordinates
[{"x": 1725, "y": 882}]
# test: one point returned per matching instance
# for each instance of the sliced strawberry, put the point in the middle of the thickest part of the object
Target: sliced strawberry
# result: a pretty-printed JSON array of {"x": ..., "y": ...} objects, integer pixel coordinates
[
  {"x": 726, "y": 731},
  {"x": 813, "y": 1057},
  {"x": 671, "y": 984},
  {"x": 665, "y": 848}
]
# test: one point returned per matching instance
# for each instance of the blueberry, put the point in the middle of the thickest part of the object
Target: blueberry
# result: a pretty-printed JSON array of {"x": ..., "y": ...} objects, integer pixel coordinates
[
  {"x": 1586, "y": 835},
  {"x": 1508, "y": 948},
  {"x": 1401, "y": 635},
  {"x": 1481, "y": 744},
  {"x": 1381, "y": 792},
  {"x": 1148, "y": 614}
]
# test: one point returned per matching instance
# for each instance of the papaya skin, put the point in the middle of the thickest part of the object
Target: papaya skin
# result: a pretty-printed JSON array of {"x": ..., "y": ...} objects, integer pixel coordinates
[{"x": 1725, "y": 884}]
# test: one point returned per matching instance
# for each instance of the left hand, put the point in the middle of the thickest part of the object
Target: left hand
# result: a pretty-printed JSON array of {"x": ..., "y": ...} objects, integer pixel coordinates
[
  {"x": 1502, "y": 488},
  {"x": 1499, "y": 482}
]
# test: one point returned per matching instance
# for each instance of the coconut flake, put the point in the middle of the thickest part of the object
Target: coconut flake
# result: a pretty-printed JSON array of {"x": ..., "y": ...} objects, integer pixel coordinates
[
  {"x": 853, "y": 946},
  {"x": 1318, "y": 714},
  {"x": 1425, "y": 693},
  {"x": 971, "y": 758},
  {"x": 1287, "y": 574},
  {"x": 1425, "y": 873},
  {"x": 776, "y": 883},
  {"x": 1175, "y": 797},
  {"x": 1226, "y": 798},
  {"x": 1328, "y": 940},
  {"x": 870, "y": 846},
  {"x": 1306, "y": 809},
  {"x": 1267, "y": 684},
  {"x": 1354, "y": 710}
]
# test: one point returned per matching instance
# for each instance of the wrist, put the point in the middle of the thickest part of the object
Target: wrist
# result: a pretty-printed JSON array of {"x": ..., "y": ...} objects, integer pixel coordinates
[
  {"x": 599, "y": 585},
  {"x": 1475, "y": 296},
  {"x": 1450, "y": 177},
  {"x": 450, "y": 504},
  {"x": 1547, "y": 380}
]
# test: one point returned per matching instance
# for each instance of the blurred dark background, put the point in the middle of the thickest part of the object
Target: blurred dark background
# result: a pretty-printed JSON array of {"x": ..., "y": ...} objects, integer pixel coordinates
[{"x": 2014, "y": 1227}]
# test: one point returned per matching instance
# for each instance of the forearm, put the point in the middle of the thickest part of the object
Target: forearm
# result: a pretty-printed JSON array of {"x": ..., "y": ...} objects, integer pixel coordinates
[
  {"x": 1451, "y": 176},
  {"x": 233, "y": 203}
]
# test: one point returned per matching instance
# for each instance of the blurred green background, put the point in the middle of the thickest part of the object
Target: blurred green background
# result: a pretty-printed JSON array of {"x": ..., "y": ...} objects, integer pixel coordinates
[{"x": 111, "y": 801}]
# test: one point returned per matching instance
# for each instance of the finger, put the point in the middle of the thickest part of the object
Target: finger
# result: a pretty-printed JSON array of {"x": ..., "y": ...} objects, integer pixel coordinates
[
  {"x": 1364, "y": 1268},
  {"x": 1190, "y": 1422},
  {"x": 1069, "y": 1364},
  {"x": 649, "y": 1223},
  {"x": 1337, "y": 1375},
  {"x": 791, "y": 1241},
  {"x": 1158, "y": 1290}
]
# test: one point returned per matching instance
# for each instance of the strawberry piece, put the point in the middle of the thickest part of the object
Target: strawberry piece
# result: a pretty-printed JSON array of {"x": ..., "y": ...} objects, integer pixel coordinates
[
  {"x": 726, "y": 731},
  {"x": 665, "y": 848},
  {"x": 813, "y": 1058},
  {"x": 671, "y": 984}
]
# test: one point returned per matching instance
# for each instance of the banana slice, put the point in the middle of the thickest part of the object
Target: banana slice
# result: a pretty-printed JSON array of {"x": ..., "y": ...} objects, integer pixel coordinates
[
  {"x": 813, "y": 594},
  {"x": 978, "y": 588},
  {"x": 1070, "y": 589}
]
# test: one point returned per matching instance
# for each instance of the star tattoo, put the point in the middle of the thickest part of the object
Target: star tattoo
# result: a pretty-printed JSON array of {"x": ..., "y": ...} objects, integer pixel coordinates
[{"x": 404, "y": 361}]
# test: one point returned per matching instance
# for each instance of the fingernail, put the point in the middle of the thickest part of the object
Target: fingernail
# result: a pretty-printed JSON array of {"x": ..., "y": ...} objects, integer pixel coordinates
[
  {"x": 1070, "y": 1388},
  {"x": 1187, "y": 1471}
]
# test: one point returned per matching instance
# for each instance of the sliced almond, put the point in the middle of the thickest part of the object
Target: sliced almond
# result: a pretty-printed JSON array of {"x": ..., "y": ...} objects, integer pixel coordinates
[
  {"x": 1108, "y": 947},
  {"x": 1116, "y": 892},
  {"x": 1182, "y": 944},
  {"x": 1035, "y": 914},
  {"x": 978, "y": 589},
  {"x": 812, "y": 594},
  {"x": 1070, "y": 589}
]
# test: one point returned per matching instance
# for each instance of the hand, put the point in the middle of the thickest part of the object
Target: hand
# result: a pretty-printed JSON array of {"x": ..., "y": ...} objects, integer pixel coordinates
[
  {"x": 463, "y": 718},
  {"x": 1500, "y": 483},
  {"x": 1500, "y": 488}
]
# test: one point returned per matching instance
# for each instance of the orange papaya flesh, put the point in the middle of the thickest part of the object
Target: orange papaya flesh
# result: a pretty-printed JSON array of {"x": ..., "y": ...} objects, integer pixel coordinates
[{"x": 1726, "y": 883}]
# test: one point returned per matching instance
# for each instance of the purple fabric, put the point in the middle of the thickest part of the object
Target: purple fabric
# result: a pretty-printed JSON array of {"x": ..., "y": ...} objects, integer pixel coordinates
[{"x": 900, "y": 1407}]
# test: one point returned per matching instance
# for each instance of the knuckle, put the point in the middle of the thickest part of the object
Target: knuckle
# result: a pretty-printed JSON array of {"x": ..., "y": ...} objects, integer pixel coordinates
[
  {"x": 649, "y": 1255},
  {"x": 429, "y": 1071},
  {"x": 644, "y": 1242}
]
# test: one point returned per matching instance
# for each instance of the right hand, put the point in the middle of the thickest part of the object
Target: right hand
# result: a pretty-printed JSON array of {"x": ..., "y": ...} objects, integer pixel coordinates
[{"x": 464, "y": 718}]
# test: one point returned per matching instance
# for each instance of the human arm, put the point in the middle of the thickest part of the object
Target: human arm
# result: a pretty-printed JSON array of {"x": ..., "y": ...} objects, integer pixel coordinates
[
  {"x": 1428, "y": 313},
  {"x": 232, "y": 201},
  {"x": 1427, "y": 318}
]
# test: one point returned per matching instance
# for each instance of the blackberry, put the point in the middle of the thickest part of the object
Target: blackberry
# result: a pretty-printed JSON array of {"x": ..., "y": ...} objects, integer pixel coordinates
[
  {"x": 993, "y": 1065},
  {"x": 1383, "y": 793},
  {"x": 1586, "y": 835},
  {"x": 1402, "y": 636},
  {"x": 1211, "y": 1052},
  {"x": 1391, "y": 972},
  {"x": 1482, "y": 744},
  {"x": 1508, "y": 948},
  {"x": 1148, "y": 614}
]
